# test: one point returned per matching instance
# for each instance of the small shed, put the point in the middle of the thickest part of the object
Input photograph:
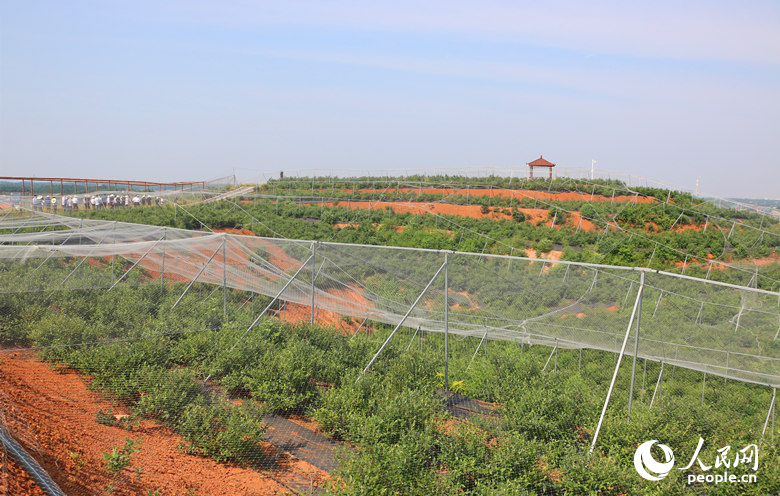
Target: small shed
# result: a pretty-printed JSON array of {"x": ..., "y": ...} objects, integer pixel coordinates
[{"x": 539, "y": 162}]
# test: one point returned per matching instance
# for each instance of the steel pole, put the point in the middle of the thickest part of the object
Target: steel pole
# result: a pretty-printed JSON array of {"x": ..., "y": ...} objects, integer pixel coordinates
[
  {"x": 224, "y": 275},
  {"x": 313, "y": 277},
  {"x": 136, "y": 263},
  {"x": 636, "y": 341},
  {"x": 197, "y": 276},
  {"x": 253, "y": 324},
  {"x": 162, "y": 268},
  {"x": 408, "y": 312},
  {"x": 446, "y": 324},
  {"x": 771, "y": 409},
  {"x": 615, "y": 373}
]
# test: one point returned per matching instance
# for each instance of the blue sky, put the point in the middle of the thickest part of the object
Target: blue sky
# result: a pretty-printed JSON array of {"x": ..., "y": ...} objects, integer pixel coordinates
[{"x": 193, "y": 89}]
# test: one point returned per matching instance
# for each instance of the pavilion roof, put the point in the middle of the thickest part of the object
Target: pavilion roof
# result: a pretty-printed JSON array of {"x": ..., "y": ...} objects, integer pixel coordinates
[{"x": 541, "y": 162}]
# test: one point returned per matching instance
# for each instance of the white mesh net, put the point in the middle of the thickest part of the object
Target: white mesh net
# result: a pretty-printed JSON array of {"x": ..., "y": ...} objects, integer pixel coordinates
[{"x": 718, "y": 328}]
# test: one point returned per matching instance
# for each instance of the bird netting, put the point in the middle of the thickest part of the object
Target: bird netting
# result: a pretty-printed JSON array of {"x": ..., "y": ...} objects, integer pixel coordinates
[{"x": 722, "y": 329}]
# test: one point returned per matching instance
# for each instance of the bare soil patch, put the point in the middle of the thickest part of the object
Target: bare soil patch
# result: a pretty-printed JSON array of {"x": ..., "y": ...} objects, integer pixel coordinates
[
  {"x": 56, "y": 410},
  {"x": 517, "y": 193}
]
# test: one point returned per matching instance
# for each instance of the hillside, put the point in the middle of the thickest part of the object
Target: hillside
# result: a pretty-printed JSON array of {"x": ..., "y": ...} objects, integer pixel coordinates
[{"x": 591, "y": 221}]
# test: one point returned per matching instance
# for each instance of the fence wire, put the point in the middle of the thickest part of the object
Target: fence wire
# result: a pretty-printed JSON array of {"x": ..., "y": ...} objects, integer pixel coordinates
[{"x": 155, "y": 286}]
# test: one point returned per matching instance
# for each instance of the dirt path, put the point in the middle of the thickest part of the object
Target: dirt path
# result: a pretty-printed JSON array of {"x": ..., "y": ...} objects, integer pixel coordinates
[{"x": 54, "y": 413}]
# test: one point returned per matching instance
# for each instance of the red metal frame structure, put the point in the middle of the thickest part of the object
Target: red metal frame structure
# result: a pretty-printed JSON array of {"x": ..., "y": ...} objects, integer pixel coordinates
[{"x": 113, "y": 184}]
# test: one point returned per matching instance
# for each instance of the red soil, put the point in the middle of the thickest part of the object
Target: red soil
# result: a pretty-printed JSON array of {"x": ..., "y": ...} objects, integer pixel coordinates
[
  {"x": 421, "y": 208},
  {"x": 771, "y": 259},
  {"x": 280, "y": 258},
  {"x": 232, "y": 230},
  {"x": 99, "y": 262},
  {"x": 688, "y": 227},
  {"x": 472, "y": 304},
  {"x": 653, "y": 227},
  {"x": 14, "y": 480},
  {"x": 297, "y": 313},
  {"x": 550, "y": 255},
  {"x": 576, "y": 219},
  {"x": 536, "y": 216},
  {"x": 56, "y": 410},
  {"x": 398, "y": 229},
  {"x": 768, "y": 260},
  {"x": 352, "y": 299},
  {"x": 518, "y": 193}
]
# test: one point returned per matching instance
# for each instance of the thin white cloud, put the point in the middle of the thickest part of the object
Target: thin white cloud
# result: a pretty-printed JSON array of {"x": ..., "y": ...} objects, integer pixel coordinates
[{"x": 729, "y": 31}]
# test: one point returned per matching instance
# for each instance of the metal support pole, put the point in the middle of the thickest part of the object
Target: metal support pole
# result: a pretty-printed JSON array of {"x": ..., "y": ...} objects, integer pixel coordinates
[
  {"x": 617, "y": 368},
  {"x": 768, "y": 414},
  {"x": 253, "y": 324},
  {"x": 412, "y": 340},
  {"x": 484, "y": 337},
  {"x": 113, "y": 255},
  {"x": 739, "y": 317},
  {"x": 80, "y": 264},
  {"x": 49, "y": 256},
  {"x": 703, "y": 383},
  {"x": 555, "y": 348},
  {"x": 313, "y": 277},
  {"x": 658, "y": 385},
  {"x": 408, "y": 312},
  {"x": 224, "y": 276},
  {"x": 209, "y": 295},
  {"x": 636, "y": 340},
  {"x": 197, "y": 276},
  {"x": 244, "y": 304},
  {"x": 162, "y": 265},
  {"x": 360, "y": 327},
  {"x": 446, "y": 323},
  {"x": 136, "y": 263}
]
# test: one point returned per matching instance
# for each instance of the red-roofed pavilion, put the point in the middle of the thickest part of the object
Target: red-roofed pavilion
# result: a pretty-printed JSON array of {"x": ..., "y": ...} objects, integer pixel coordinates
[{"x": 539, "y": 162}]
